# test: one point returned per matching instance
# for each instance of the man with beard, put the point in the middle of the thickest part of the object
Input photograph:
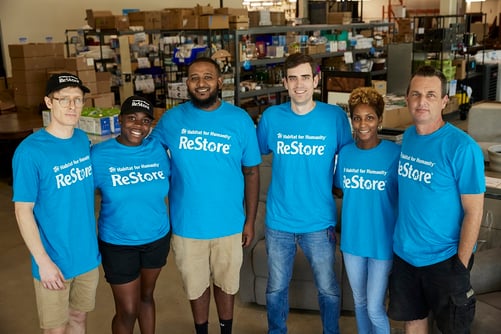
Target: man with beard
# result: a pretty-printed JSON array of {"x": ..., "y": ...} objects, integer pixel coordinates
[{"x": 215, "y": 158}]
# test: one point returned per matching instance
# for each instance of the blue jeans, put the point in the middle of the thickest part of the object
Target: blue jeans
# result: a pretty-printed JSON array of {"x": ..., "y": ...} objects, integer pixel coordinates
[
  {"x": 319, "y": 248},
  {"x": 369, "y": 280}
]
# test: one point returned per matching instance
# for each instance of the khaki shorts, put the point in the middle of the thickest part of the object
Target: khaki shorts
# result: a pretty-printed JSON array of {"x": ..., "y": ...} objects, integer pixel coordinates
[
  {"x": 202, "y": 261},
  {"x": 54, "y": 305}
]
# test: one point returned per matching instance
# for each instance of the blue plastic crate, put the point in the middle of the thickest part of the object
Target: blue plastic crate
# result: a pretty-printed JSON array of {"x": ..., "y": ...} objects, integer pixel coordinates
[{"x": 186, "y": 57}]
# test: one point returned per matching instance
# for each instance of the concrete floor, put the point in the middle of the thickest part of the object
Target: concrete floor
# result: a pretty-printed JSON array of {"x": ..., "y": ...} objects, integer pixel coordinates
[{"x": 17, "y": 302}]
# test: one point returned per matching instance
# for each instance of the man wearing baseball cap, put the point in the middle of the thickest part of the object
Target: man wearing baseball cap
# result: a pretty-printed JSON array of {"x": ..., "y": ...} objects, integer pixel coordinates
[{"x": 54, "y": 204}]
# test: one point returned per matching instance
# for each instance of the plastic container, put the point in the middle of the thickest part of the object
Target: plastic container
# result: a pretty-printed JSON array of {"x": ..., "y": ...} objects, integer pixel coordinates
[{"x": 185, "y": 55}]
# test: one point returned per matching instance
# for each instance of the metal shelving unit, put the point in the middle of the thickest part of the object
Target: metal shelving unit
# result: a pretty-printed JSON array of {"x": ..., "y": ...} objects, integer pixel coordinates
[{"x": 238, "y": 35}]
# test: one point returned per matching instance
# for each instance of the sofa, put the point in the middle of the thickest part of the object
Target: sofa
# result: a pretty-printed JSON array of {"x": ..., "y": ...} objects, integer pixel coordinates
[{"x": 254, "y": 272}]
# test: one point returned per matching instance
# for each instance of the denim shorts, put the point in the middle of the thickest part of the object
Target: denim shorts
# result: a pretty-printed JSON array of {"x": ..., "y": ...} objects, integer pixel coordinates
[
  {"x": 443, "y": 288},
  {"x": 122, "y": 264}
]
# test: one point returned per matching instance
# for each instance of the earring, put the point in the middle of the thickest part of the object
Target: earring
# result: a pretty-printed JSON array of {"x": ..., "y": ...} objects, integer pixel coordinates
[{"x": 380, "y": 127}]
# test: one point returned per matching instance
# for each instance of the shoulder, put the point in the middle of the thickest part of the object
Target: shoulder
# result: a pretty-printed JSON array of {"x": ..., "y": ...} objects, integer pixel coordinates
[
  {"x": 331, "y": 108},
  {"x": 102, "y": 146},
  {"x": 390, "y": 145}
]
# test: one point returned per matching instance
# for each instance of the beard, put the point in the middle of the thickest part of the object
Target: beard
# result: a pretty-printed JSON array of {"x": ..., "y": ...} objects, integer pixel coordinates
[{"x": 205, "y": 103}]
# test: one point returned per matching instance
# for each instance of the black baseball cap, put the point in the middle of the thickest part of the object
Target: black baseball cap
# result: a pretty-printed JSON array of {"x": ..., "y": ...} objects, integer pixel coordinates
[
  {"x": 62, "y": 80},
  {"x": 137, "y": 104}
]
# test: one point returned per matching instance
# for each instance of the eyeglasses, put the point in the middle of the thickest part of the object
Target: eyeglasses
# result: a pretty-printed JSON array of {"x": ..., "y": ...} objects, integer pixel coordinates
[{"x": 65, "y": 101}]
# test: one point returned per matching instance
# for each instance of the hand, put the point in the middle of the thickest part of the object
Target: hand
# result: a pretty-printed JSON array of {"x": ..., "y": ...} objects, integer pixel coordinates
[
  {"x": 247, "y": 234},
  {"x": 51, "y": 277}
]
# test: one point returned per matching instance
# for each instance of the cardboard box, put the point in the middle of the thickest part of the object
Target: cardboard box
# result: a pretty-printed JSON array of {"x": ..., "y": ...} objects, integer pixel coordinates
[
  {"x": 35, "y": 88},
  {"x": 260, "y": 18},
  {"x": 28, "y": 76},
  {"x": 104, "y": 100},
  {"x": 34, "y": 63},
  {"x": 460, "y": 65},
  {"x": 380, "y": 86},
  {"x": 452, "y": 105},
  {"x": 28, "y": 100},
  {"x": 178, "y": 18},
  {"x": 79, "y": 63},
  {"x": 91, "y": 15},
  {"x": 87, "y": 76},
  {"x": 103, "y": 82},
  {"x": 277, "y": 18},
  {"x": 339, "y": 17},
  {"x": 95, "y": 125},
  {"x": 149, "y": 20},
  {"x": 404, "y": 26},
  {"x": 232, "y": 11},
  {"x": 238, "y": 19},
  {"x": 36, "y": 50},
  {"x": 118, "y": 22},
  {"x": 396, "y": 117},
  {"x": 204, "y": 10},
  {"x": 103, "y": 87},
  {"x": 92, "y": 86},
  {"x": 239, "y": 25},
  {"x": 23, "y": 50},
  {"x": 213, "y": 22}
]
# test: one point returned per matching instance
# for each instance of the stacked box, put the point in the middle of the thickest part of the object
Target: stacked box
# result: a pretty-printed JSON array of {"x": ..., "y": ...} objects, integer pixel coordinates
[
  {"x": 204, "y": 10},
  {"x": 239, "y": 22},
  {"x": 118, "y": 22},
  {"x": 178, "y": 18},
  {"x": 339, "y": 18},
  {"x": 103, "y": 81},
  {"x": 213, "y": 22},
  {"x": 232, "y": 11},
  {"x": 92, "y": 15},
  {"x": 102, "y": 100},
  {"x": 149, "y": 20},
  {"x": 30, "y": 63},
  {"x": 277, "y": 18}
]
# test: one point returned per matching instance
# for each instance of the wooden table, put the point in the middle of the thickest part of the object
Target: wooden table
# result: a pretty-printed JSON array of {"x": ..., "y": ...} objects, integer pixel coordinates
[{"x": 14, "y": 127}]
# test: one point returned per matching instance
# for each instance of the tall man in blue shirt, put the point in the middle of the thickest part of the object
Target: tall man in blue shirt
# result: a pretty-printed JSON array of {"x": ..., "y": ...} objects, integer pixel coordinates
[{"x": 304, "y": 136}]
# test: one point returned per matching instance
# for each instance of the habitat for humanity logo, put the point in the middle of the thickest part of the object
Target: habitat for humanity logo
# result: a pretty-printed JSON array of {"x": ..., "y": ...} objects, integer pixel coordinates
[
  {"x": 129, "y": 175},
  {"x": 203, "y": 140},
  {"x": 295, "y": 144},
  {"x": 415, "y": 169},
  {"x": 364, "y": 179},
  {"x": 70, "y": 172}
]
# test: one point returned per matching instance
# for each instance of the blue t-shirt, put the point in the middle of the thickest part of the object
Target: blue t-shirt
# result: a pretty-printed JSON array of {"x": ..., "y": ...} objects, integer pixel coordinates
[
  {"x": 208, "y": 150},
  {"x": 368, "y": 179},
  {"x": 134, "y": 183},
  {"x": 304, "y": 147},
  {"x": 56, "y": 175},
  {"x": 433, "y": 172}
]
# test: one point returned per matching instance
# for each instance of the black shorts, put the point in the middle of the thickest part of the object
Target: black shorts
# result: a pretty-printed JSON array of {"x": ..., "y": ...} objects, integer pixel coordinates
[
  {"x": 443, "y": 288},
  {"x": 123, "y": 264}
]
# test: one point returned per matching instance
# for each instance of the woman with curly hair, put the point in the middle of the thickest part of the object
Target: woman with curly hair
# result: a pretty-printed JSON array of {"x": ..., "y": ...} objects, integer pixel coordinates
[{"x": 366, "y": 178}]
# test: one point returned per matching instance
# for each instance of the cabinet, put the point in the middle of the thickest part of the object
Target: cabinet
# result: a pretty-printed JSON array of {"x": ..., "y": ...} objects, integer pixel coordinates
[{"x": 285, "y": 36}]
